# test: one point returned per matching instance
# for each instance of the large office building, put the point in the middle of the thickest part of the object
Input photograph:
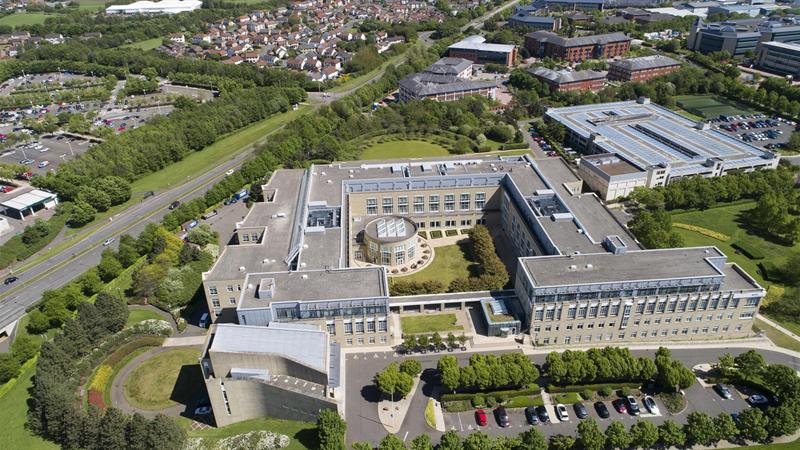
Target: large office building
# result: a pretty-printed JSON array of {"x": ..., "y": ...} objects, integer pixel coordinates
[
  {"x": 543, "y": 44},
  {"x": 637, "y": 143},
  {"x": 570, "y": 80},
  {"x": 526, "y": 17},
  {"x": 742, "y": 36},
  {"x": 476, "y": 49},
  {"x": 642, "y": 68},
  {"x": 162, "y": 7},
  {"x": 448, "y": 79},
  {"x": 779, "y": 57}
]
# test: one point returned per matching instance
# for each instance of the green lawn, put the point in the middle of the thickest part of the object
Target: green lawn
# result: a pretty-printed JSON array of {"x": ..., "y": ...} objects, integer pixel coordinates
[
  {"x": 404, "y": 149},
  {"x": 727, "y": 219},
  {"x": 776, "y": 336},
  {"x": 303, "y": 434},
  {"x": 787, "y": 446},
  {"x": 139, "y": 315},
  {"x": 148, "y": 44},
  {"x": 429, "y": 323},
  {"x": 567, "y": 398},
  {"x": 15, "y": 408},
  {"x": 449, "y": 262},
  {"x": 18, "y": 19},
  {"x": 150, "y": 386},
  {"x": 710, "y": 106}
]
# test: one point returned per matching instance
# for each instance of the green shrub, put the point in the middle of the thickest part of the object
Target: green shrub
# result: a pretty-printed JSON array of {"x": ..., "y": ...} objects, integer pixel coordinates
[
  {"x": 624, "y": 391},
  {"x": 587, "y": 394},
  {"x": 436, "y": 234},
  {"x": 605, "y": 391},
  {"x": 451, "y": 232},
  {"x": 478, "y": 401},
  {"x": 459, "y": 406},
  {"x": 553, "y": 389},
  {"x": 518, "y": 146},
  {"x": 748, "y": 248},
  {"x": 490, "y": 401}
]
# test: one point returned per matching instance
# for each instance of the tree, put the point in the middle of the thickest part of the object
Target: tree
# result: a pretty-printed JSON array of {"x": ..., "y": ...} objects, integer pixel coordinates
[
  {"x": 532, "y": 439},
  {"x": 330, "y": 430},
  {"x": 392, "y": 381},
  {"x": 391, "y": 442},
  {"x": 113, "y": 311},
  {"x": 783, "y": 380},
  {"x": 644, "y": 434},
  {"x": 561, "y": 442},
  {"x": 202, "y": 235},
  {"x": 753, "y": 425},
  {"x": 111, "y": 433},
  {"x": 127, "y": 252},
  {"x": 437, "y": 341},
  {"x": 136, "y": 432},
  {"x": 726, "y": 364},
  {"x": 589, "y": 435},
  {"x": 750, "y": 364},
  {"x": 81, "y": 213},
  {"x": 478, "y": 441},
  {"x": 411, "y": 367},
  {"x": 410, "y": 342},
  {"x": 725, "y": 428},
  {"x": 452, "y": 342},
  {"x": 24, "y": 348},
  {"x": 90, "y": 282},
  {"x": 424, "y": 341},
  {"x": 670, "y": 434},
  {"x": 617, "y": 436},
  {"x": 109, "y": 267},
  {"x": 654, "y": 229},
  {"x": 9, "y": 367},
  {"x": 165, "y": 433},
  {"x": 422, "y": 442},
  {"x": 450, "y": 441},
  {"x": 782, "y": 420},
  {"x": 700, "y": 429}
]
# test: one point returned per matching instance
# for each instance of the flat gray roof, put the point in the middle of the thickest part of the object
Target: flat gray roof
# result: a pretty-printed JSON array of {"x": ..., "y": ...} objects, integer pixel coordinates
[
  {"x": 636, "y": 265},
  {"x": 304, "y": 345},
  {"x": 315, "y": 285}
]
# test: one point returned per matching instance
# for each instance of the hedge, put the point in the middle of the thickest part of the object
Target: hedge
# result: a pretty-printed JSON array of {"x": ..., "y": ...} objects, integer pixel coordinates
[
  {"x": 524, "y": 401},
  {"x": 553, "y": 389},
  {"x": 770, "y": 271},
  {"x": 704, "y": 231},
  {"x": 568, "y": 398},
  {"x": 517, "y": 146},
  {"x": 748, "y": 249},
  {"x": 531, "y": 389}
]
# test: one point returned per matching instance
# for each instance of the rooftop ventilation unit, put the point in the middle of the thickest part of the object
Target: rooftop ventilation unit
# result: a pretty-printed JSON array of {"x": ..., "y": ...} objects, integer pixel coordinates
[{"x": 266, "y": 288}]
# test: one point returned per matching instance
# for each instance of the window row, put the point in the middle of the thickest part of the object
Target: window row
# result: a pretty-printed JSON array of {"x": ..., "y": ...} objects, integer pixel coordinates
[
  {"x": 466, "y": 202},
  {"x": 675, "y": 332},
  {"x": 371, "y": 340}
]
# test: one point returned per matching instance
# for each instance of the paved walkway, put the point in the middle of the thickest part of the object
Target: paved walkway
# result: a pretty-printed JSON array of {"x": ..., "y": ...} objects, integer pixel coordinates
[
  {"x": 184, "y": 341},
  {"x": 392, "y": 414},
  {"x": 778, "y": 327}
]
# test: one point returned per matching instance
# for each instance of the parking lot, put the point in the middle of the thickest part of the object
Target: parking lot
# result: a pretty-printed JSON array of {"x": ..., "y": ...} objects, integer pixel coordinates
[
  {"x": 699, "y": 398},
  {"x": 55, "y": 149},
  {"x": 756, "y": 129}
]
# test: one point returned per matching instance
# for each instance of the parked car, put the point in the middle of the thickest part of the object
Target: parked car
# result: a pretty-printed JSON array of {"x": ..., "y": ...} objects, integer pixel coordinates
[
  {"x": 27, "y": 161},
  {"x": 757, "y": 400},
  {"x": 203, "y": 320},
  {"x": 580, "y": 410},
  {"x": 650, "y": 404},
  {"x": 174, "y": 204},
  {"x": 44, "y": 164},
  {"x": 502, "y": 417},
  {"x": 541, "y": 411},
  {"x": 149, "y": 194},
  {"x": 6, "y": 189},
  {"x": 562, "y": 413},
  {"x": 723, "y": 391},
  {"x": 602, "y": 410},
  {"x": 229, "y": 172},
  {"x": 620, "y": 405},
  {"x": 633, "y": 406},
  {"x": 10, "y": 280},
  {"x": 530, "y": 414},
  {"x": 480, "y": 417},
  {"x": 108, "y": 242}
]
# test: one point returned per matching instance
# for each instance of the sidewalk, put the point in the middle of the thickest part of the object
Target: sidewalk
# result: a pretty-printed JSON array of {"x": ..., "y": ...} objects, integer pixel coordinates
[
  {"x": 392, "y": 413},
  {"x": 775, "y": 325}
]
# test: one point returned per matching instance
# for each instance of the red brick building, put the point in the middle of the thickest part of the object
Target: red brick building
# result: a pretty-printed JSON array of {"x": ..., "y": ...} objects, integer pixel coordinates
[
  {"x": 565, "y": 80},
  {"x": 543, "y": 44},
  {"x": 477, "y": 50},
  {"x": 641, "y": 69}
]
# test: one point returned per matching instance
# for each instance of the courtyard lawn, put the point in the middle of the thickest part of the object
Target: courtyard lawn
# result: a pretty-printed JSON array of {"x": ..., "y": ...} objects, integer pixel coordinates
[
  {"x": 303, "y": 435},
  {"x": 449, "y": 262},
  {"x": 429, "y": 323},
  {"x": 148, "y": 44},
  {"x": 728, "y": 219},
  {"x": 18, "y": 19},
  {"x": 154, "y": 384},
  {"x": 15, "y": 409},
  {"x": 776, "y": 336},
  {"x": 138, "y": 315},
  {"x": 711, "y": 106},
  {"x": 404, "y": 149}
]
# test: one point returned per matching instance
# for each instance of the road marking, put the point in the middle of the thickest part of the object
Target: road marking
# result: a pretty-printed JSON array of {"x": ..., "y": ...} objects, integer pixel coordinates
[
  {"x": 461, "y": 425},
  {"x": 405, "y": 436}
]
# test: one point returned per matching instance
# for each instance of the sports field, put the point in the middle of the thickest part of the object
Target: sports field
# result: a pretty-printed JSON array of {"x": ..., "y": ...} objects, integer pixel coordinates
[
  {"x": 148, "y": 44},
  {"x": 18, "y": 19},
  {"x": 711, "y": 106}
]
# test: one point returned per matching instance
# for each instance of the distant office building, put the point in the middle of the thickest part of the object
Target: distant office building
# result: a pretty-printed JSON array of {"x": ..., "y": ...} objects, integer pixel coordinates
[
  {"x": 525, "y": 17},
  {"x": 779, "y": 57},
  {"x": 477, "y": 50},
  {"x": 569, "y": 80},
  {"x": 543, "y": 44},
  {"x": 636, "y": 143},
  {"x": 445, "y": 80},
  {"x": 596, "y": 5},
  {"x": 642, "y": 68},
  {"x": 162, "y": 7},
  {"x": 737, "y": 37}
]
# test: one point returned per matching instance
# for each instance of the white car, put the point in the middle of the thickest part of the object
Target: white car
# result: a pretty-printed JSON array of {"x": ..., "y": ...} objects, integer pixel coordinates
[
  {"x": 650, "y": 404},
  {"x": 44, "y": 149},
  {"x": 562, "y": 413},
  {"x": 229, "y": 172},
  {"x": 108, "y": 242}
]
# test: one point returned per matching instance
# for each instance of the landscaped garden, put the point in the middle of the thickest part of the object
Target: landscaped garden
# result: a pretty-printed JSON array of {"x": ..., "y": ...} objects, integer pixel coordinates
[
  {"x": 138, "y": 315},
  {"x": 302, "y": 435},
  {"x": 429, "y": 323},
  {"x": 711, "y": 106},
  {"x": 154, "y": 384},
  {"x": 404, "y": 149},
  {"x": 449, "y": 262}
]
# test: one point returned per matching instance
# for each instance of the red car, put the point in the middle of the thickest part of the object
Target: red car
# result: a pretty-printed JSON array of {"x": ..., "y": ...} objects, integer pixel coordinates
[
  {"x": 6, "y": 189},
  {"x": 480, "y": 417},
  {"x": 620, "y": 406}
]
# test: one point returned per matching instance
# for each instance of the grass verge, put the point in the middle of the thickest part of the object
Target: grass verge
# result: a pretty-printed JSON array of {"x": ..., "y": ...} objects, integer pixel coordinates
[
  {"x": 430, "y": 415},
  {"x": 429, "y": 323},
  {"x": 139, "y": 315},
  {"x": 449, "y": 262},
  {"x": 150, "y": 386},
  {"x": 567, "y": 398},
  {"x": 303, "y": 434},
  {"x": 776, "y": 336},
  {"x": 147, "y": 44},
  {"x": 14, "y": 405},
  {"x": 404, "y": 149}
]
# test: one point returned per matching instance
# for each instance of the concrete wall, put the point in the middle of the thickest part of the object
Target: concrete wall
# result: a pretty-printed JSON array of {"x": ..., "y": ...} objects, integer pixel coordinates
[
  {"x": 254, "y": 399},
  {"x": 222, "y": 363}
]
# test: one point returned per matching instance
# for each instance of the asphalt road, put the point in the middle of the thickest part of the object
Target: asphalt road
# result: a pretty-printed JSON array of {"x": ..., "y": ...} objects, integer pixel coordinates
[{"x": 361, "y": 396}]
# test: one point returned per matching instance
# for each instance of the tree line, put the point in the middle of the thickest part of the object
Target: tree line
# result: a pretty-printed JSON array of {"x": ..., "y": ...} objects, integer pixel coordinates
[{"x": 487, "y": 371}]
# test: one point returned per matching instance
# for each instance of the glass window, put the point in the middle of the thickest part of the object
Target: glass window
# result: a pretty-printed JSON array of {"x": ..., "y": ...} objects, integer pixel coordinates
[
  {"x": 450, "y": 202},
  {"x": 348, "y": 327},
  {"x": 331, "y": 328},
  {"x": 212, "y": 290},
  {"x": 372, "y": 206},
  {"x": 433, "y": 203},
  {"x": 359, "y": 327},
  {"x": 402, "y": 205},
  {"x": 386, "y": 257},
  {"x": 388, "y": 205},
  {"x": 370, "y": 326},
  {"x": 215, "y": 302},
  {"x": 411, "y": 250},
  {"x": 419, "y": 203},
  {"x": 232, "y": 300},
  {"x": 480, "y": 200},
  {"x": 381, "y": 324},
  {"x": 463, "y": 202},
  {"x": 245, "y": 237}
]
